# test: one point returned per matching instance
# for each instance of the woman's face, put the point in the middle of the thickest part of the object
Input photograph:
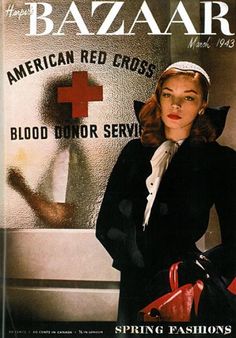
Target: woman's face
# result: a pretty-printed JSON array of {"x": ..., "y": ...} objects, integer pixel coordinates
[{"x": 181, "y": 100}]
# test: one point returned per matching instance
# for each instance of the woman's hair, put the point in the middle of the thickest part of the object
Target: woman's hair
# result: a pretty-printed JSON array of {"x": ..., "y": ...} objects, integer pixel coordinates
[{"x": 150, "y": 114}]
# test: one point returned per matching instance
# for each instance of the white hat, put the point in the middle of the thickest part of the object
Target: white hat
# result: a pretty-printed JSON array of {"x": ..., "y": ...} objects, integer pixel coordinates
[{"x": 185, "y": 66}]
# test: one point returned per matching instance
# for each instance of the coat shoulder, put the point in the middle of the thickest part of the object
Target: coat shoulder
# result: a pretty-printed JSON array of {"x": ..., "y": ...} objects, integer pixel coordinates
[
  {"x": 133, "y": 144},
  {"x": 224, "y": 160},
  {"x": 136, "y": 153},
  {"x": 224, "y": 153}
]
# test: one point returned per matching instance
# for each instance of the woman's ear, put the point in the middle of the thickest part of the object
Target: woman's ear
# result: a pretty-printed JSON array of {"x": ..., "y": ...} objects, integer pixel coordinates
[{"x": 202, "y": 110}]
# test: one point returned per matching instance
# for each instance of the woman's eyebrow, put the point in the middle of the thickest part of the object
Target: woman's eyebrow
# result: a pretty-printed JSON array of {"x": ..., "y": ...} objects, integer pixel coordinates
[
  {"x": 186, "y": 91},
  {"x": 191, "y": 91},
  {"x": 167, "y": 89}
]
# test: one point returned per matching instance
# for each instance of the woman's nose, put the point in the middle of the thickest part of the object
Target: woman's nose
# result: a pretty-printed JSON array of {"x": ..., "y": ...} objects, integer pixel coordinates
[{"x": 176, "y": 102}]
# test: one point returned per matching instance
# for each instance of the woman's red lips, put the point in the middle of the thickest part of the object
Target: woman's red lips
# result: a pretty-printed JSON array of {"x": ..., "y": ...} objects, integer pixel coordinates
[{"x": 174, "y": 117}]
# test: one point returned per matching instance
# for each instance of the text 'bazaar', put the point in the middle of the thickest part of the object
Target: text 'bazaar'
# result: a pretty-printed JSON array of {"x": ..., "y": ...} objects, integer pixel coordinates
[{"x": 40, "y": 12}]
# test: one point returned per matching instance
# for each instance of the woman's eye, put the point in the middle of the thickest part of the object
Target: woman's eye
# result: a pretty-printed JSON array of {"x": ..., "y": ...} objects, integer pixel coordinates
[
  {"x": 165, "y": 94},
  {"x": 189, "y": 98}
]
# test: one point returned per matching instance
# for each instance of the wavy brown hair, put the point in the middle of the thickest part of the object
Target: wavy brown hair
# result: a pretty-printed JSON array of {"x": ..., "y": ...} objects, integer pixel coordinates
[{"x": 150, "y": 115}]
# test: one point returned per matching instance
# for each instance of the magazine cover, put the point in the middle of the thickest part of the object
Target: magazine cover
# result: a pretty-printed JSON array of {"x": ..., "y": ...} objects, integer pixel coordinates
[{"x": 118, "y": 138}]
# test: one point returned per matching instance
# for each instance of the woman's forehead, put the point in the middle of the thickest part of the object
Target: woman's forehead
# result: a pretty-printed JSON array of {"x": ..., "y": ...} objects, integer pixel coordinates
[{"x": 182, "y": 81}]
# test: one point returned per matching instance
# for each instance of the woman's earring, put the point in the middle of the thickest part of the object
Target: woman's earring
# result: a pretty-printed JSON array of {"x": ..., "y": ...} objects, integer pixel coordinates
[{"x": 201, "y": 112}]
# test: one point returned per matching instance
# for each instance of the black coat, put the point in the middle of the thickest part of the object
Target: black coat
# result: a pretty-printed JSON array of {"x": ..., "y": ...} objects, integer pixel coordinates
[{"x": 199, "y": 176}]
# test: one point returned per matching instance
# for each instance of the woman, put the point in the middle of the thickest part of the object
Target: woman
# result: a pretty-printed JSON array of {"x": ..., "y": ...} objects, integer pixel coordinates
[{"x": 158, "y": 198}]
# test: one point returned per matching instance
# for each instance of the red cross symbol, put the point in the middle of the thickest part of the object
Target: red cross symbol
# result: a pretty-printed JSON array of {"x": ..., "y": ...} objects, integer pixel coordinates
[{"x": 79, "y": 94}]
